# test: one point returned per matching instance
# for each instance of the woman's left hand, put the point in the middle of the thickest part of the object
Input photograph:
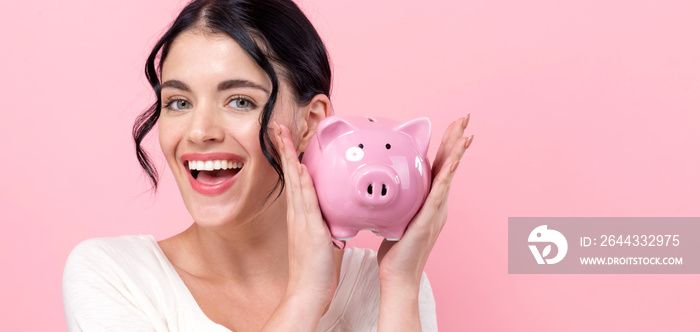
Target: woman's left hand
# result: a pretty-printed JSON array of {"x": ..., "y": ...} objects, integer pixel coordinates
[{"x": 401, "y": 263}]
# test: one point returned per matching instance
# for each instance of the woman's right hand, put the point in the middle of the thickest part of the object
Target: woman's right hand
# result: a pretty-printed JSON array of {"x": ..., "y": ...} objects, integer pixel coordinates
[{"x": 312, "y": 267}]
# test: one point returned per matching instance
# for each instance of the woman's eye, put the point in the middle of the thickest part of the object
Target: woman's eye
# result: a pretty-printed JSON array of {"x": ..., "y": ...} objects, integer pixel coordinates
[
  {"x": 179, "y": 104},
  {"x": 241, "y": 103}
]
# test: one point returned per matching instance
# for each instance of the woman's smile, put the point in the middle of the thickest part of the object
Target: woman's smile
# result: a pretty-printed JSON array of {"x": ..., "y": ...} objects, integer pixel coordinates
[{"x": 212, "y": 173}]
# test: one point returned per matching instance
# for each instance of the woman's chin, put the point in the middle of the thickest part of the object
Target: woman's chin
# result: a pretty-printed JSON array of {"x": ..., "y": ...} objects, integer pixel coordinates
[{"x": 212, "y": 215}]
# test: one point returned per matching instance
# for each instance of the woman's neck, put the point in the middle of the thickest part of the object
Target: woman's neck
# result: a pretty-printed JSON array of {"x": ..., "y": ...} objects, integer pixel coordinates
[{"x": 254, "y": 250}]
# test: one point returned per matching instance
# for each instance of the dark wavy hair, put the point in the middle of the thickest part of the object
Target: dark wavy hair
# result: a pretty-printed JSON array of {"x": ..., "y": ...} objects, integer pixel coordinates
[{"x": 275, "y": 33}]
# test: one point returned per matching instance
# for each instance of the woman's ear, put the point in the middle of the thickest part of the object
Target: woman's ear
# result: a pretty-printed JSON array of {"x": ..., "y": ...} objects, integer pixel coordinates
[{"x": 318, "y": 108}]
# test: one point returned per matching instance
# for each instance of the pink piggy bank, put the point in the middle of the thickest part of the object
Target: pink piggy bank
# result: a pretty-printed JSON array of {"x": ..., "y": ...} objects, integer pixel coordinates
[{"x": 369, "y": 173}]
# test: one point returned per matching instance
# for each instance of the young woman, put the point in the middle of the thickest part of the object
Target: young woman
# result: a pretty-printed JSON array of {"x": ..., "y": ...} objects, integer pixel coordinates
[{"x": 241, "y": 86}]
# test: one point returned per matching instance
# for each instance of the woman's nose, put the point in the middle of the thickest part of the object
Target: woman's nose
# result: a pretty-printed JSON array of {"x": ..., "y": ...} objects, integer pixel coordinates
[{"x": 206, "y": 126}]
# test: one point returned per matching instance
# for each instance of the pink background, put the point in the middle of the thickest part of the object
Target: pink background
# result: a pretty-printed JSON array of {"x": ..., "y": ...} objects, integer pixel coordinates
[{"x": 580, "y": 108}]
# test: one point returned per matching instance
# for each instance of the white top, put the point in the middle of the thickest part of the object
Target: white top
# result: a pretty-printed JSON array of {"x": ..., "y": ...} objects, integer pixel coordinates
[{"x": 127, "y": 284}]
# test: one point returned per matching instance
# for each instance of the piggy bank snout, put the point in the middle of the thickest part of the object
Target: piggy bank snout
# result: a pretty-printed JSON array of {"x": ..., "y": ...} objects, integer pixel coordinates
[{"x": 376, "y": 186}]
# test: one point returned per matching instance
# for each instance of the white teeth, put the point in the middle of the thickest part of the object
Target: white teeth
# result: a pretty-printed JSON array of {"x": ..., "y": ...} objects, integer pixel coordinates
[{"x": 211, "y": 165}]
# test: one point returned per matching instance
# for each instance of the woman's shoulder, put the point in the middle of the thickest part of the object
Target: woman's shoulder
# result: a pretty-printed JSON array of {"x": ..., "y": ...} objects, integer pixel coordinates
[
  {"x": 115, "y": 258},
  {"x": 111, "y": 243},
  {"x": 110, "y": 282},
  {"x": 115, "y": 249}
]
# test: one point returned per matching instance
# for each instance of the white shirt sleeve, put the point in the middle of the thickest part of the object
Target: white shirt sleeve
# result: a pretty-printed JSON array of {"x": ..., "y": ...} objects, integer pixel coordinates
[
  {"x": 426, "y": 306},
  {"x": 98, "y": 295}
]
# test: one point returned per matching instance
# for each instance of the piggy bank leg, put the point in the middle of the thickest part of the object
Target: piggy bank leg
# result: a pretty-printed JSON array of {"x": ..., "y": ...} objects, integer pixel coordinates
[
  {"x": 391, "y": 234},
  {"x": 388, "y": 237},
  {"x": 343, "y": 233}
]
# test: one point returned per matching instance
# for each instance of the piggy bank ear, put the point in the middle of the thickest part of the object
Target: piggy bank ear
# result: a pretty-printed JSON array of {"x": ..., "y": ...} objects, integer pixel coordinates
[
  {"x": 419, "y": 130},
  {"x": 331, "y": 128}
]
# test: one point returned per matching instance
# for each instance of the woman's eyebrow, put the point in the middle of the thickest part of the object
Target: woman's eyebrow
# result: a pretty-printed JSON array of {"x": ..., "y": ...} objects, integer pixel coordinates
[
  {"x": 225, "y": 85},
  {"x": 175, "y": 84},
  {"x": 231, "y": 84}
]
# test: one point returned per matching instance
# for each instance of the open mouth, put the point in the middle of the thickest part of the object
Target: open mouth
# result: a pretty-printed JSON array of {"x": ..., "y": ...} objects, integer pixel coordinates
[{"x": 213, "y": 172}]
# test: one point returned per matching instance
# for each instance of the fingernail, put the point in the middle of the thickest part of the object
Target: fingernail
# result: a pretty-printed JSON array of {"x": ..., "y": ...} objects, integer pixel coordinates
[
  {"x": 276, "y": 127},
  {"x": 453, "y": 168},
  {"x": 465, "y": 121},
  {"x": 469, "y": 142}
]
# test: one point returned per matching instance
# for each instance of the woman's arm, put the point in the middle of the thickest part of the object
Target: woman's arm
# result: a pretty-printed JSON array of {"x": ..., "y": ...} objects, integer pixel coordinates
[
  {"x": 401, "y": 263},
  {"x": 312, "y": 275}
]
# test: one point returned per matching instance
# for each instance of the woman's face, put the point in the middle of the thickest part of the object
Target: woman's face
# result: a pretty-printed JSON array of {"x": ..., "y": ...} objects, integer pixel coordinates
[{"x": 213, "y": 93}]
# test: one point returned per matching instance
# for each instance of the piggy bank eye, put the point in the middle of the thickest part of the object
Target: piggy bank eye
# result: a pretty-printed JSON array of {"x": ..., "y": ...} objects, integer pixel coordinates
[
  {"x": 387, "y": 146},
  {"x": 361, "y": 146},
  {"x": 354, "y": 153}
]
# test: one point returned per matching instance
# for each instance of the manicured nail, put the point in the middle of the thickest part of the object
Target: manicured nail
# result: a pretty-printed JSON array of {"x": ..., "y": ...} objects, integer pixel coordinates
[
  {"x": 453, "y": 168},
  {"x": 469, "y": 142},
  {"x": 276, "y": 128},
  {"x": 278, "y": 137},
  {"x": 465, "y": 121}
]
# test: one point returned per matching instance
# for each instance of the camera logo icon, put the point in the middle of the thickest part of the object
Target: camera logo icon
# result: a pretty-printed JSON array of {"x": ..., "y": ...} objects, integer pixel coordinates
[{"x": 543, "y": 235}]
